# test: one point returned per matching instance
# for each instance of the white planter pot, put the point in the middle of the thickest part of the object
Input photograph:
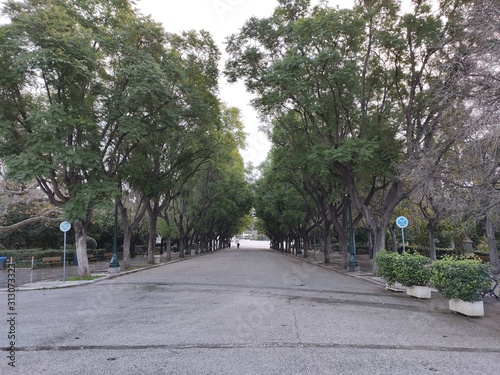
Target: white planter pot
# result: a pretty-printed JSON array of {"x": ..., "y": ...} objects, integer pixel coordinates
[
  {"x": 467, "y": 308},
  {"x": 157, "y": 259},
  {"x": 396, "y": 287},
  {"x": 418, "y": 291}
]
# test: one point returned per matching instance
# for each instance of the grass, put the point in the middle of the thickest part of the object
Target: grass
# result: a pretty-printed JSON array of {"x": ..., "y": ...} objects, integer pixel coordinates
[{"x": 86, "y": 278}]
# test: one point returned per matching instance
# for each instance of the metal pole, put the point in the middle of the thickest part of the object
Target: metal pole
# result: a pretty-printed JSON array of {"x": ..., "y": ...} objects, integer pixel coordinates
[
  {"x": 64, "y": 259},
  {"x": 403, "y": 238},
  {"x": 352, "y": 264},
  {"x": 114, "y": 263}
]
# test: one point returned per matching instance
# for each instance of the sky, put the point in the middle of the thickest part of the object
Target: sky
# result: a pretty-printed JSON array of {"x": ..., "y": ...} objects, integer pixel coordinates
[{"x": 222, "y": 18}]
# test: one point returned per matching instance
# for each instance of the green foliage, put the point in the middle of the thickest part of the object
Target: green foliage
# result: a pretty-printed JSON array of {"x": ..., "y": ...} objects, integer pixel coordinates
[
  {"x": 38, "y": 254},
  {"x": 412, "y": 269},
  {"x": 459, "y": 278},
  {"x": 86, "y": 278},
  {"x": 387, "y": 263},
  {"x": 37, "y": 235},
  {"x": 91, "y": 243}
]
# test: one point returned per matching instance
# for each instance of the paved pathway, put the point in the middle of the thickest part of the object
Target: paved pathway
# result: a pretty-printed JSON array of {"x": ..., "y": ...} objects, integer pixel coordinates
[{"x": 247, "y": 311}]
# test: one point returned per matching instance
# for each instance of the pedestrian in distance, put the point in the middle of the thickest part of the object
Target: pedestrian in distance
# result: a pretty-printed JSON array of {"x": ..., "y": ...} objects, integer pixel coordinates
[{"x": 238, "y": 245}]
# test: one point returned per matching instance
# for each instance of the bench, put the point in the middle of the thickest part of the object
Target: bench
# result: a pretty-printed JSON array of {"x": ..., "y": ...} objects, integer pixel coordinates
[
  {"x": 108, "y": 256},
  {"x": 51, "y": 260}
]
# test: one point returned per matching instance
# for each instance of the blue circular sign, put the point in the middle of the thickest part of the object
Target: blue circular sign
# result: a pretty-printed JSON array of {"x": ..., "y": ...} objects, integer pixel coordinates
[
  {"x": 402, "y": 222},
  {"x": 65, "y": 226}
]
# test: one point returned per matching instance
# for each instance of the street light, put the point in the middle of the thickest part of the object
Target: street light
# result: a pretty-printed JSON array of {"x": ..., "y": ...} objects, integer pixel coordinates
[
  {"x": 352, "y": 264},
  {"x": 114, "y": 264}
]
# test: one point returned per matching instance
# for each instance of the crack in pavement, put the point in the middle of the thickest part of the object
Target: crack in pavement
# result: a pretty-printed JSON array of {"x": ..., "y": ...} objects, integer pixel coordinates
[{"x": 268, "y": 345}]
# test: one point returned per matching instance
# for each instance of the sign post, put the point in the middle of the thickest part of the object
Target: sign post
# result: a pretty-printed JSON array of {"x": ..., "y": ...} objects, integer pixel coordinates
[
  {"x": 402, "y": 222},
  {"x": 64, "y": 227}
]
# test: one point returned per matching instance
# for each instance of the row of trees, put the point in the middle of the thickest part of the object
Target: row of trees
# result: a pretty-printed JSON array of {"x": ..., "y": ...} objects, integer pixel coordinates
[
  {"x": 377, "y": 107},
  {"x": 99, "y": 105}
]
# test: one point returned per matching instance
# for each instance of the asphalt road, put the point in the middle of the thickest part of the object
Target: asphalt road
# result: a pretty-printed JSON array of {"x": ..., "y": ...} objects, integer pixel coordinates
[{"x": 246, "y": 311}]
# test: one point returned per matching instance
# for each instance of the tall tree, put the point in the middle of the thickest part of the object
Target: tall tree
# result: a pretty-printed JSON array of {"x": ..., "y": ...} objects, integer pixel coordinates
[
  {"x": 185, "y": 128},
  {"x": 61, "y": 122},
  {"x": 364, "y": 83}
]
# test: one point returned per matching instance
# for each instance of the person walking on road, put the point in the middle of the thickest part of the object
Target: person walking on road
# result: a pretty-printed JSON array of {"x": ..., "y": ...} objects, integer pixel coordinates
[{"x": 238, "y": 245}]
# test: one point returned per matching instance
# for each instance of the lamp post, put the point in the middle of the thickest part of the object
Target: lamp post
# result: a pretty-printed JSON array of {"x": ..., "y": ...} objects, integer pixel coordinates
[
  {"x": 114, "y": 264},
  {"x": 352, "y": 264}
]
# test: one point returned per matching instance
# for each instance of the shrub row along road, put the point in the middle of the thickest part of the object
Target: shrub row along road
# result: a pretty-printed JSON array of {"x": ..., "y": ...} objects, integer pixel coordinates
[{"x": 246, "y": 311}]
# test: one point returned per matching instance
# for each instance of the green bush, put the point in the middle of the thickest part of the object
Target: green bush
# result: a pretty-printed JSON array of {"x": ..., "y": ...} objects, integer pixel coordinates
[
  {"x": 38, "y": 254},
  {"x": 459, "y": 278},
  {"x": 412, "y": 269},
  {"x": 91, "y": 243},
  {"x": 386, "y": 263}
]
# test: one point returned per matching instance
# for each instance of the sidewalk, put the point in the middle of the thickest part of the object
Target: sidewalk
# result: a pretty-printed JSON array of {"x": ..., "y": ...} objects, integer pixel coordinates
[
  {"x": 491, "y": 316},
  {"x": 52, "y": 277}
]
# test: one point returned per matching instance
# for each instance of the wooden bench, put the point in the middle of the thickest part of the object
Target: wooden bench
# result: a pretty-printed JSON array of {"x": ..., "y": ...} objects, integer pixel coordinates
[{"x": 52, "y": 260}]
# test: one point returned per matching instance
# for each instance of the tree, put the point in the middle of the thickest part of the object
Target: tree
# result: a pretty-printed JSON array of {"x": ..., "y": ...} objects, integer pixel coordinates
[
  {"x": 468, "y": 173},
  {"x": 481, "y": 151},
  {"x": 184, "y": 130},
  {"x": 69, "y": 120},
  {"x": 39, "y": 210},
  {"x": 218, "y": 198},
  {"x": 365, "y": 84}
]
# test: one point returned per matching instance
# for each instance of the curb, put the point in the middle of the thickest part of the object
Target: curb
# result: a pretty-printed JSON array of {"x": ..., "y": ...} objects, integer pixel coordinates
[
  {"x": 61, "y": 285},
  {"x": 357, "y": 274}
]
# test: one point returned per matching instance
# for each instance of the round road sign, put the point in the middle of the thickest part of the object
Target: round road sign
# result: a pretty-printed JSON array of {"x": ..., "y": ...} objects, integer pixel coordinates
[
  {"x": 402, "y": 222},
  {"x": 65, "y": 226}
]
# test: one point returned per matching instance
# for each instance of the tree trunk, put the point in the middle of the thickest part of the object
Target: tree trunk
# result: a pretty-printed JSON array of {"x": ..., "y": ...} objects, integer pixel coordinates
[
  {"x": 129, "y": 228},
  {"x": 370, "y": 243},
  {"x": 492, "y": 245},
  {"x": 394, "y": 240},
  {"x": 127, "y": 236},
  {"x": 169, "y": 249},
  {"x": 81, "y": 248},
  {"x": 327, "y": 244},
  {"x": 297, "y": 244},
  {"x": 432, "y": 242},
  {"x": 153, "y": 219},
  {"x": 379, "y": 244},
  {"x": 305, "y": 249},
  {"x": 203, "y": 244},
  {"x": 344, "y": 241},
  {"x": 181, "y": 241}
]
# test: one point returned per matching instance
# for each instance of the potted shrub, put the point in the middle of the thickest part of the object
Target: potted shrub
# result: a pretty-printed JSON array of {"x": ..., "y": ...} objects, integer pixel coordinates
[
  {"x": 386, "y": 268},
  {"x": 412, "y": 271},
  {"x": 462, "y": 282}
]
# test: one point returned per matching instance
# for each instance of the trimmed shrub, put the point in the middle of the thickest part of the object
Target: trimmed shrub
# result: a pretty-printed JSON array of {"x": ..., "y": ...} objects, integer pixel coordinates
[
  {"x": 459, "y": 278},
  {"x": 412, "y": 269},
  {"x": 386, "y": 263}
]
